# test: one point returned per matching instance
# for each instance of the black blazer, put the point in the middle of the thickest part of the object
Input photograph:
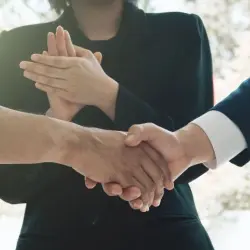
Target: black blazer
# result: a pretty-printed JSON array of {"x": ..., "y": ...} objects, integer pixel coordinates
[
  {"x": 237, "y": 108},
  {"x": 163, "y": 65}
]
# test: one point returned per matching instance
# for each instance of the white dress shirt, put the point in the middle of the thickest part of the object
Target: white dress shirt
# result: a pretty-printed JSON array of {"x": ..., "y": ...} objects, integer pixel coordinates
[{"x": 226, "y": 138}]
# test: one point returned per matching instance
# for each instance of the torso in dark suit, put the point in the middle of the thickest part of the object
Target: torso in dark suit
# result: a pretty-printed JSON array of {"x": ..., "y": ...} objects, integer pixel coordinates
[
  {"x": 163, "y": 65},
  {"x": 237, "y": 108}
]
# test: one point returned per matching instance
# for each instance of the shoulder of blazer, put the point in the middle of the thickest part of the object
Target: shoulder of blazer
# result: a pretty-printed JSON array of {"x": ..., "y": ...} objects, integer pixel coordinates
[
  {"x": 26, "y": 35},
  {"x": 177, "y": 26}
]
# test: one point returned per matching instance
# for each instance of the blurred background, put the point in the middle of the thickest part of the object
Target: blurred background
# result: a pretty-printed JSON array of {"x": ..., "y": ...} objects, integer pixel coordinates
[{"x": 222, "y": 196}]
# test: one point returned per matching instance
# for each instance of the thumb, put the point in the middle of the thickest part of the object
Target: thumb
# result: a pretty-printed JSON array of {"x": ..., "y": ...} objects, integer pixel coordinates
[
  {"x": 45, "y": 53},
  {"x": 80, "y": 52},
  {"x": 98, "y": 56},
  {"x": 134, "y": 136},
  {"x": 147, "y": 132},
  {"x": 90, "y": 184}
]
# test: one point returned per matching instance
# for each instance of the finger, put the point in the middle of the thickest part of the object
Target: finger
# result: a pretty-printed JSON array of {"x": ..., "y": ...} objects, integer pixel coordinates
[
  {"x": 146, "y": 186},
  {"x": 142, "y": 132},
  {"x": 45, "y": 88},
  {"x": 133, "y": 138},
  {"x": 168, "y": 182},
  {"x": 48, "y": 89},
  {"x": 112, "y": 189},
  {"x": 69, "y": 45},
  {"x": 82, "y": 52},
  {"x": 130, "y": 193},
  {"x": 51, "y": 43},
  {"x": 42, "y": 70},
  {"x": 136, "y": 184},
  {"x": 158, "y": 164},
  {"x": 98, "y": 56},
  {"x": 45, "y": 53},
  {"x": 60, "y": 42},
  {"x": 54, "y": 61},
  {"x": 90, "y": 184},
  {"x": 142, "y": 203},
  {"x": 158, "y": 199},
  {"x": 148, "y": 167},
  {"x": 156, "y": 168},
  {"x": 51, "y": 82},
  {"x": 159, "y": 161},
  {"x": 136, "y": 204}
]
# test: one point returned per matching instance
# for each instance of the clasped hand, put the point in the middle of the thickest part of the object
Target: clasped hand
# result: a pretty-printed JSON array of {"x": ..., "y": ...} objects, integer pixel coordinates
[{"x": 72, "y": 77}]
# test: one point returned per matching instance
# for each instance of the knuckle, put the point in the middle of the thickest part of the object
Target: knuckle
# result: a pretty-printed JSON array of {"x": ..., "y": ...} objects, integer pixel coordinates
[{"x": 150, "y": 124}]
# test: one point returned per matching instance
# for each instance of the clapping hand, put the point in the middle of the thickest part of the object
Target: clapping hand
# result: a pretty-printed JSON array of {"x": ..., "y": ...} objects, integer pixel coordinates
[{"x": 71, "y": 74}]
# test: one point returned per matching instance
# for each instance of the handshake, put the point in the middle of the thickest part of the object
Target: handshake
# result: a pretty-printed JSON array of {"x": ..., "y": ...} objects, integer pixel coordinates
[{"x": 138, "y": 165}]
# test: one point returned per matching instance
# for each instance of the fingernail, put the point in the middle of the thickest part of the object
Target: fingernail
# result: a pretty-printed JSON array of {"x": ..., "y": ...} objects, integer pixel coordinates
[
  {"x": 35, "y": 57},
  {"x": 59, "y": 27},
  {"x": 130, "y": 137},
  {"x": 116, "y": 191},
  {"x": 23, "y": 65},
  {"x": 169, "y": 185},
  {"x": 157, "y": 203},
  {"x": 145, "y": 209}
]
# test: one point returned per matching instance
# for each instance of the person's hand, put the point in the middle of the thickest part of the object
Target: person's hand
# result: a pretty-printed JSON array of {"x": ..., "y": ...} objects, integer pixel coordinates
[
  {"x": 80, "y": 80},
  {"x": 108, "y": 159},
  {"x": 167, "y": 144},
  {"x": 60, "y": 44}
]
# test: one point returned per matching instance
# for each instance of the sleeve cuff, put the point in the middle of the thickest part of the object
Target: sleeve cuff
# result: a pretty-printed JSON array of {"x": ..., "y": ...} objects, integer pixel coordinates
[{"x": 225, "y": 137}]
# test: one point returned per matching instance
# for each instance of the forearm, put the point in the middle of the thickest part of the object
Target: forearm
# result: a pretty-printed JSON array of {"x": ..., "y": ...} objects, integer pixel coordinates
[
  {"x": 28, "y": 138},
  {"x": 196, "y": 144},
  {"x": 108, "y": 97}
]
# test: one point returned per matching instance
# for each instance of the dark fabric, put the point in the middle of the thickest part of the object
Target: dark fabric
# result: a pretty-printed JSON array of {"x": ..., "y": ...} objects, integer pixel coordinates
[
  {"x": 236, "y": 108},
  {"x": 163, "y": 65}
]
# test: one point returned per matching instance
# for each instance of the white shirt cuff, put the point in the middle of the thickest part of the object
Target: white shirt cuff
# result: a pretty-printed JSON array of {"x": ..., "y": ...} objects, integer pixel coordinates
[{"x": 226, "y": 138}]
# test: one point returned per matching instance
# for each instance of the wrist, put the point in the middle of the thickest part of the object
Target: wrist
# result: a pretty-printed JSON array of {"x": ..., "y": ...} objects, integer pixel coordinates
[
  {"x": 196, "y": 144},
  {"x": 64, "y": 117},
  {"x": 108, "y": 96},
  {"x": 52, "y": 131},
  {"x": 64, "y": 140}
]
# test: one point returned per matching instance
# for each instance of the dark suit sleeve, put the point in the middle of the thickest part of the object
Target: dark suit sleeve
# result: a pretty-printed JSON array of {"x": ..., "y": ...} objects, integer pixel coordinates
[
  {"x": 236, "y": 107},
  {"x": 192, "y": 85},
  {"x": 197, "y": 85},
  {"x": 19, "y": 183},
  {"x": 132, "y": 110}
]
